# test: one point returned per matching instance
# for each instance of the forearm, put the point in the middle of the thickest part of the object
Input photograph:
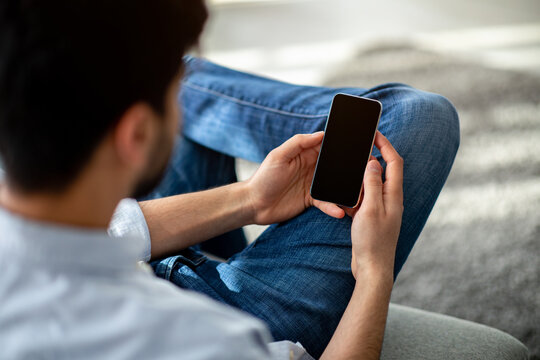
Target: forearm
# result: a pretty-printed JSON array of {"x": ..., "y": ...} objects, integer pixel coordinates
[
  {"x": 180, "y": 221},
  {"x": 360, "y": 332}
]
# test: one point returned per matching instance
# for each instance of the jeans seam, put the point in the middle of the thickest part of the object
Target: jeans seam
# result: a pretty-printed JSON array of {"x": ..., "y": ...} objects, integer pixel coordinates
[
  {"x": 249, "y": 103},
  {"x": 171, "y": 262}
]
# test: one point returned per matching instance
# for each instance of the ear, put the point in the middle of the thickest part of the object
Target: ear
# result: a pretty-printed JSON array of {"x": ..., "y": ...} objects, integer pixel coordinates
[{"x": 132, "y": 136}]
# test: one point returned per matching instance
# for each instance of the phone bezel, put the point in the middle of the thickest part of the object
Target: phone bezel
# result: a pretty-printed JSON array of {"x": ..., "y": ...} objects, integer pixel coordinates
[{"x": 370, "y": 151}]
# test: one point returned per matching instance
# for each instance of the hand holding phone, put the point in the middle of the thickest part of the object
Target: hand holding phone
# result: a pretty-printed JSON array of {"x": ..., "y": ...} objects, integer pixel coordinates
[{"x": 346, "y": 149}]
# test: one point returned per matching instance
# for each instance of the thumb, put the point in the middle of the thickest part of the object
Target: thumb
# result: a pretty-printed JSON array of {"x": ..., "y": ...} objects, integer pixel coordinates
[
  {"x": 373, "y": 184},
  {"x": 296, "y": 144}
]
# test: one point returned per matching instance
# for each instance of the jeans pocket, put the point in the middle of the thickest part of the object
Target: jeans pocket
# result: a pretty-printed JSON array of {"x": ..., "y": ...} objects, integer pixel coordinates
[
  {"x": 191, "y": 258},
  {"x": 187, "y": 257}
]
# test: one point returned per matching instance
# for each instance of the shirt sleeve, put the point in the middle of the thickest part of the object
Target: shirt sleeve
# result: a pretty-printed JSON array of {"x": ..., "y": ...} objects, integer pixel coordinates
[
  {"x": 128, "y": 220},
  {"x": 287, "y": 350}
]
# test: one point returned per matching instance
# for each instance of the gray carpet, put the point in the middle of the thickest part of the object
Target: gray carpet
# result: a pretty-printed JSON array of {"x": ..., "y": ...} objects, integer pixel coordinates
[{"x": 478, "y": 257}]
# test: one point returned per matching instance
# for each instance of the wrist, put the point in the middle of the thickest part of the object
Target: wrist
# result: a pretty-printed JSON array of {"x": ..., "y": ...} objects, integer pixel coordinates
[
  {"x": 374, "y": 272},
  {"x": 249, "y": 210}
]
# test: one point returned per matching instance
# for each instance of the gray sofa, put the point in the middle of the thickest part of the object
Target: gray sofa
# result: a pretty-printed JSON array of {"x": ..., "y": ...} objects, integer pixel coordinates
[{"x": 421, "y": 335}]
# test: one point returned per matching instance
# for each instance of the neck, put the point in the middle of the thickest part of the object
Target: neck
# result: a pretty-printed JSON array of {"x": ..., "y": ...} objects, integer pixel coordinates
[{"x": 82, "y": 205}]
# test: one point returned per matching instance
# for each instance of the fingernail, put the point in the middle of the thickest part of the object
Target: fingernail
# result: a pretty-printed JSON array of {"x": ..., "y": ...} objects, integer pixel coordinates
[
  {"x": 317, "y": 133},
  {"x": 373, "y": 166}
]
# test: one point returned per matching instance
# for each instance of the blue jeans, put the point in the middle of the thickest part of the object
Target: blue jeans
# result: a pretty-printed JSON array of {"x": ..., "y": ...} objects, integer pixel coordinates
[{"x": 296, "y": 276}]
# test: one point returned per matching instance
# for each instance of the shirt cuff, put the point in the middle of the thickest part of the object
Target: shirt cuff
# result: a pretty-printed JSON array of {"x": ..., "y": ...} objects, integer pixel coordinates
[
  {"x": 286, "y": 349},
  {"x": 128, "y": 221}
]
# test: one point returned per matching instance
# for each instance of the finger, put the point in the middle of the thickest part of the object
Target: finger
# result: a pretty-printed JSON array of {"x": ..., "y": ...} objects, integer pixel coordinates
[
  {"x": 373, "y": 185},
  {"x": 329, "y": 209},
  {"x": 296, "y": 144},
  {"x": 394, "y": 167},
  {"x": 362, "y": 195},
  {"x": 350, "y": 211}
]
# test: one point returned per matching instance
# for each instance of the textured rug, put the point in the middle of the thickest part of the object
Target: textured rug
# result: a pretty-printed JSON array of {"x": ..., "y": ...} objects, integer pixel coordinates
[{"x": 478, "y": 257}]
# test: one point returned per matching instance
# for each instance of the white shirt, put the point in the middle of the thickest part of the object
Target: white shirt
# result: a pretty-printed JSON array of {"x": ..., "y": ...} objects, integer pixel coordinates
[{"x": 73, "y": 293}]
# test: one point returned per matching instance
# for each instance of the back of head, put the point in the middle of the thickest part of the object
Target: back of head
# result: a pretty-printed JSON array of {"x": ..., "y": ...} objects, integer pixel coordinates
[{"x": 70, "y": 68}]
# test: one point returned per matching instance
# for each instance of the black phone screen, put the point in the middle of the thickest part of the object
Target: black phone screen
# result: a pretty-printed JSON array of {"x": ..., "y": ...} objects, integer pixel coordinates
[{"x": 345, "y": 150}]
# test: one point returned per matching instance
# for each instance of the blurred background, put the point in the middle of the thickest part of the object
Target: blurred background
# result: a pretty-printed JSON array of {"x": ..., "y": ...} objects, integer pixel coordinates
[{"x": 478, "y": 257}]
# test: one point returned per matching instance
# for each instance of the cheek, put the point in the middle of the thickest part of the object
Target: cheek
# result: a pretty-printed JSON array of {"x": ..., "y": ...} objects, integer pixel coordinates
[
  {"x": 177, "y": 120},
  {"x": 175, "y": 117},
  {"x": 175, "y": 125}
]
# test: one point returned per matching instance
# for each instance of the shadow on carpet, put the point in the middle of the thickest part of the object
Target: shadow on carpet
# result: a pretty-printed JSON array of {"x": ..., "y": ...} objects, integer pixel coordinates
[{"x": 478, "y": 257}]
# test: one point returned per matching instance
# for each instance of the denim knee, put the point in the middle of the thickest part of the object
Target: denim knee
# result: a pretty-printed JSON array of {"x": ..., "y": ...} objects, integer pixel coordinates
[
  {"x": 448, "y": 120},
  {"x": 446, "y": 132},
  {"x": 429, "y": 128}
]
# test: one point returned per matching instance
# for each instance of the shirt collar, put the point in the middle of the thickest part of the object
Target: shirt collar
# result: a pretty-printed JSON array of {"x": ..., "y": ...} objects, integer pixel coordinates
[{"x": 23, "y": 239}]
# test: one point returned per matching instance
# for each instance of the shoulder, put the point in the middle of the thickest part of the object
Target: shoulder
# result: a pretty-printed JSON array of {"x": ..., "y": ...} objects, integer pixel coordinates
[
  {"x": 155, "y": 319},
  {"x": 127, "y": 317}
]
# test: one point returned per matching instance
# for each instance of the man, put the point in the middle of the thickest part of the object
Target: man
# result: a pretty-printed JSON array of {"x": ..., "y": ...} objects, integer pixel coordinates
[{"x": 89, "y": 116}]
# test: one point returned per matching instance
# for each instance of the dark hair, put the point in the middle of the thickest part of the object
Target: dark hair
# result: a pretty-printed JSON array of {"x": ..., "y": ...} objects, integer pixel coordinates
[{"x": 69, "y": 69}]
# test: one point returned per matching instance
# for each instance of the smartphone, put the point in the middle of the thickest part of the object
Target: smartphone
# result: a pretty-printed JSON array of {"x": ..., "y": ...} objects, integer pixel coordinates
[{"x": 346, "y": 148}]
